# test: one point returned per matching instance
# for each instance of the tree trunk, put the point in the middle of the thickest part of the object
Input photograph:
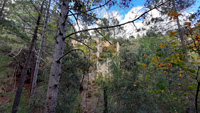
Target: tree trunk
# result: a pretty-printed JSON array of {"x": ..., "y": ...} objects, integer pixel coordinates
[
  {"x": 55, "y": 73},
  {"x": 179, "y": 25},
  {"x": 32, "y": 67},
  {"x": 1, "y": 11},
  {"x": 196, "y": 97},
  {"x": 28, "y": 59},
  {"x": 105, "y": 100},
  {"x": 34, "y": 82}
]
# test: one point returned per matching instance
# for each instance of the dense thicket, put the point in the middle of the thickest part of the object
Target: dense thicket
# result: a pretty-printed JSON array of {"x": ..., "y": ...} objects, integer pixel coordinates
[{"x": 65, "y": 57}]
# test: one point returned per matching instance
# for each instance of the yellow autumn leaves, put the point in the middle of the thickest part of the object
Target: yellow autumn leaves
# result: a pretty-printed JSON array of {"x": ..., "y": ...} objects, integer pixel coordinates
[
  {"x": 163, "y": 45},
  {"x": 172, "y": 34},
  {"x": 145, "y": 66},
  {"x": 193, "y": 33},
  {"x": 180, "y": 74},
  {"x": 173, "y": 15},
  {"x": 198, "y": 37},
  {"x": 167, "y": 65},
  {"x": 164, "y": 65}
]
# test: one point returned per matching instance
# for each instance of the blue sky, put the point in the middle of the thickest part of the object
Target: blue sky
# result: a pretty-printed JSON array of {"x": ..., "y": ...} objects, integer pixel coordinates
[
  {"x": 195, "y": 7},
  {"x": 136, "y": 3},
  {"x": 127, "y": 14},
  {"x": 134, "y": 11}
]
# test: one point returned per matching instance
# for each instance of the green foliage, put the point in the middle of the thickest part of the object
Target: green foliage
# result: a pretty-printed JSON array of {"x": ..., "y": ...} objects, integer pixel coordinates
[
  {"x": 5, "y": 60},
  {"x": 129, "y": 94},
  {"x": 151, "y": 72},
  {"x": 23, "y": 106},
  {"x": 74, "y": 65},
  {"x": 11, "y": 27}
]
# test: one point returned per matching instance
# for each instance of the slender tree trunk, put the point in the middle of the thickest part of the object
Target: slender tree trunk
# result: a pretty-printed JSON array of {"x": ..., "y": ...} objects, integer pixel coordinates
[
  {"x": 55, "y": 73},
  {"x": 25, "y": 68},
  {"x": 32, "y": 66},
  {"x": 105, "y": 100},
  {"x": 196, "y": 97},
  {"x": 179, "y": 25},
  {"x": 1, "y": 11},
  {"x": 34, "y": 82}
]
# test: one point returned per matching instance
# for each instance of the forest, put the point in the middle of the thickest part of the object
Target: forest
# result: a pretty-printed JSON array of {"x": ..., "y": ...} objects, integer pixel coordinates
[{"x": 99, "y": 56}]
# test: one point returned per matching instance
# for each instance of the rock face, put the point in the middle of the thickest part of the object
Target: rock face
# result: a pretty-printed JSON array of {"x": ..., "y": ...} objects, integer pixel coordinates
[
  {"x": 102, "y": 64},
  {"x": 92, "y": 97}
]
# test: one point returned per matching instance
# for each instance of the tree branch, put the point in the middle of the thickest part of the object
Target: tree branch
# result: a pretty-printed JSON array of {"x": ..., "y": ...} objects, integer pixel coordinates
[
  {"x": 70, "y": 52},
  {"x": 92, "y": 8},
  {"x": 34, "y": 6},
  {"x": 107, "y": 27},
  {"x": 83, "y": 43},
  {"x": 76, "y": 19},
  {"x": 104, "y": 37}
]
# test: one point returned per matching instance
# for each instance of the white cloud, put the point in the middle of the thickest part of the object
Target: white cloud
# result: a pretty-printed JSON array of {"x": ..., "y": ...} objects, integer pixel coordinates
[
  {"x": 162, "y": 26},
  {"x": 133, "y": 13},
  {"x": 113, "y": 14},
  {"x": 131, "y": 29}
]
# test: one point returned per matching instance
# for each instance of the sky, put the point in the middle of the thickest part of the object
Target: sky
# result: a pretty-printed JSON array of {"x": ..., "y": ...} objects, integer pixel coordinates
[
  {"x": 126, "y": 14},
  {"x": 123, "y": 11},
  {"x": 140, "y": 3}
]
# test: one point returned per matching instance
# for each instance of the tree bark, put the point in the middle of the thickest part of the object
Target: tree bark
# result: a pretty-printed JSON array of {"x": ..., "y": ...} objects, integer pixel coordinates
[
  {"x": 34, "y": 82},
  {"x": 32, "y": 66},
  {"x": 179, "y": 25},
  {"x": 28, "y": 59},
  {"x": 55, "y": 73},
  {"x": 196, "y": 97},
  {"x": 105, "y": 100}
]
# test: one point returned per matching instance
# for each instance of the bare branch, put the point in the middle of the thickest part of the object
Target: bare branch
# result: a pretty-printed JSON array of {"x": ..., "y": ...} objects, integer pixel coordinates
[
  {"x": 34, "y": 6},
  {"x": 104, "y": 37},
  {"x": 107, "y": 27},
  {"x": 29, "y": 13},
  {"x": 83, "y": 43},
  {"x": 92, "y": 8},
  {"x": 70, "y": 52},
  {"x": 76, "y": 19},
  {"x": 71, "y": 26},
  {"x": 23, "y": 19},
  {"x": 18, "y": 53},
  {"x": 135, "y": 26}
]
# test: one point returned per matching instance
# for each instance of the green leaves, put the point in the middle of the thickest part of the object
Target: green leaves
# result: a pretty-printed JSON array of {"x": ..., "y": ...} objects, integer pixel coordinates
[
  {"x": 103, "y": 32},
  {"x": 178, "y": 64},
  {"x": 192, "y": 70},
  {"x": 158, "y": 49},
  {"x": 160, "y": 54}
]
